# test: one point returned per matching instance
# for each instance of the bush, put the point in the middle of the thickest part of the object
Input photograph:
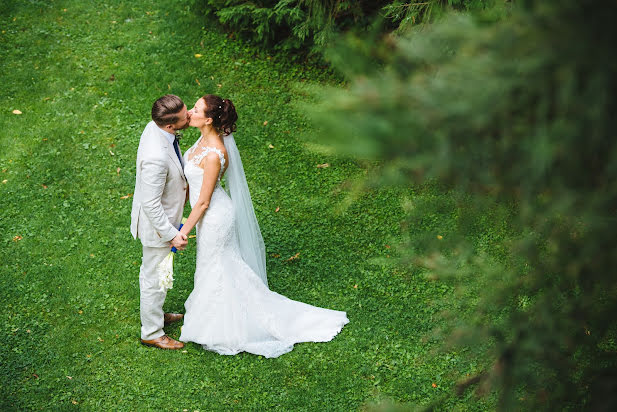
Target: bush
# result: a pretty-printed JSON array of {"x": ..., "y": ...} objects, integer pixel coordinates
[
  {"x": 515, "y": 111},
  {"x": 312, "y": 24}
]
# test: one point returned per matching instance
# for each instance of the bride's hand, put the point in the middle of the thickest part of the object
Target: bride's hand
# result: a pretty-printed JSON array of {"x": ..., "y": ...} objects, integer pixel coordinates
[{"x": 180, "y": 241}]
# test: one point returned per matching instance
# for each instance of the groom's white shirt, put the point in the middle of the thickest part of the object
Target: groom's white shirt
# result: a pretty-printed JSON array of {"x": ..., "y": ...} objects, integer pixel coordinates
[{"x": 160, "y": 189}]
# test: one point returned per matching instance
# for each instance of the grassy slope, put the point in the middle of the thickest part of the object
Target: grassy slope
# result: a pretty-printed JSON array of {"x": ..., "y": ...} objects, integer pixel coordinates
[{"x": 70, "y": 301}]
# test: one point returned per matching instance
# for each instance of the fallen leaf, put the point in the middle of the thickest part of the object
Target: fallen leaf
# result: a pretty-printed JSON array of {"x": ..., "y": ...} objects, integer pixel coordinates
[
  {"x": 433, "y": 385},
  {"x": 219, "y": 85},
  {"x": 16, "y": 111},
  {"x": 111, "y": 153},
  {"x": 294, "y": 257},
  {"x": 4, "y": 181},
  {"x": 275, "y": 255},
  {"x": 270, "y": 146},
  {"x": 99, "y": 339},
  {"x": 198, "y": 55},
  {"x": 127, "y": 196},
  {"x": 70, "y": 377},
  {"x": 265, "y": 123},
  {"x": 387, "y": 246},
  {"x": 112, "y": 77},
  {"x": 197, "y": 81},
  {"x": 35, "y": 376},
  {"x": 80, "y": 311},
  {"x": 17, "y": 238},
  {"x": 118, "y": 171},
  {"x": 355, "y": 286},
  {"x": 74, "y": 402},
  {"x": 439, "y": 237},
  {"x": 323, "y": 166},
  {"x": 44, "y": 186},
  {"x": 277, "y": 209}
]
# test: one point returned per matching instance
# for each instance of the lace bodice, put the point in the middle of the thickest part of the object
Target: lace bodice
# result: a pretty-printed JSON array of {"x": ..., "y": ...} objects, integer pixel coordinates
[{"x": 198, "y": 157}]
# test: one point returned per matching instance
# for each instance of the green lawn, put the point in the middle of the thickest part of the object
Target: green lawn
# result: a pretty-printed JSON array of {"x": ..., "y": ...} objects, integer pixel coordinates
[{"x": 84, "y": 76}]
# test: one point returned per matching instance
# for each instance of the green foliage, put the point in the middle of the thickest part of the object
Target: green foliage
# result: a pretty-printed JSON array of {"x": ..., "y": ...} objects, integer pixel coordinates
[
  {"x": 263, "y": 21},
  {"x": 515, "y": 116},
  {"x": 313, "y": 24},
  {"x": 408, "y": 13}
]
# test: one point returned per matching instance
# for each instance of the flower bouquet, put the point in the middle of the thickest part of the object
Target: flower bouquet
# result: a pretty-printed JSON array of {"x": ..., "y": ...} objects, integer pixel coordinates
[{"x": 165, "y": 269}]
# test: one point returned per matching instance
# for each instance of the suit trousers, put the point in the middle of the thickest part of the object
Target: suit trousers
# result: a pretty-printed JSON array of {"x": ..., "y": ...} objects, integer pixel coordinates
[{"x": 151, "y": 297}]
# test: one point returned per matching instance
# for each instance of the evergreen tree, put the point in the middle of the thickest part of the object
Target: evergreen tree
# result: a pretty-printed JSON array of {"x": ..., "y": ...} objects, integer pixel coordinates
[
  {"x": 514, "y": 107},
  {"x": 309, "y": 25}
]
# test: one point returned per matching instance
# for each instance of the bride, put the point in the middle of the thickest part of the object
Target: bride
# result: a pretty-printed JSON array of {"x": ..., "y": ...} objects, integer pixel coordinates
[{"x": 231, "y": 309}]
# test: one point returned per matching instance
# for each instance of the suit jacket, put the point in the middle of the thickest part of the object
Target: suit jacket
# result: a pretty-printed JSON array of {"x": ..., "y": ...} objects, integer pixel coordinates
[{"x": 160, "y": 190}]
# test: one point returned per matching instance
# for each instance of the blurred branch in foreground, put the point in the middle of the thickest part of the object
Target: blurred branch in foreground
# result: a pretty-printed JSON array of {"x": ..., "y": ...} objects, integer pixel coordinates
[{"x": 516, "y": 114}]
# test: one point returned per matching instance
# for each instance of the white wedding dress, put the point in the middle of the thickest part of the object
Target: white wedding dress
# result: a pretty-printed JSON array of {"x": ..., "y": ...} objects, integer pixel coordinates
[{"x": 231, "y": 309}]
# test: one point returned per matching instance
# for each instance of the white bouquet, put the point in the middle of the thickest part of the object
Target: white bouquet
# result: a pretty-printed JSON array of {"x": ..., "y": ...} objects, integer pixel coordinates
[{"x": 165, "y": 269}]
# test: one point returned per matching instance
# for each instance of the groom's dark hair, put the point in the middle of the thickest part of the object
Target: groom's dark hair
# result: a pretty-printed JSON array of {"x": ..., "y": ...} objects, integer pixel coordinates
[{"x": 166, "y": 110}]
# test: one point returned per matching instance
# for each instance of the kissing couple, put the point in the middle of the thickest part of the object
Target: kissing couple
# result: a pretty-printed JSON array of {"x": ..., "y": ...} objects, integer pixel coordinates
[{"x": 230, "y": 309}]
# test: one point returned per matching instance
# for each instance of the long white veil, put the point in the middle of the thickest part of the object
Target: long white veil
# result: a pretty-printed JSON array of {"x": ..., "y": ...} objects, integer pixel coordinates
[{"x": 251, "y": 242}]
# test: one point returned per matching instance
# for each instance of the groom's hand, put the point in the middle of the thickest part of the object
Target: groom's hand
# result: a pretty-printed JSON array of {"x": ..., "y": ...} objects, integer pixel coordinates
[{"x": 180, "y": 241}]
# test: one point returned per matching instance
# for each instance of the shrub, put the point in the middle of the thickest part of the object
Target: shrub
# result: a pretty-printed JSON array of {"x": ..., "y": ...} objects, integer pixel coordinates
[{"x": 312, "y": 24}]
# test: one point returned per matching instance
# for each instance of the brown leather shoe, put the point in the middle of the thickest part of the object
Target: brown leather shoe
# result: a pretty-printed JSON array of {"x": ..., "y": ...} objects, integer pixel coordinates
[
  {"x": 172, "y": 317},
  {"x": 164, "y": 342}
]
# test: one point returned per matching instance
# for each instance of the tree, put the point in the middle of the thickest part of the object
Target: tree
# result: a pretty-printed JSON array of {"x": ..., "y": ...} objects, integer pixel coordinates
[{"x": 514, "y": 106}]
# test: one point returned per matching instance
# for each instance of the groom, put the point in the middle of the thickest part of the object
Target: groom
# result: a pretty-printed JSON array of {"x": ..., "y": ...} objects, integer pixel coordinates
[{"x": 158, "y": 202}]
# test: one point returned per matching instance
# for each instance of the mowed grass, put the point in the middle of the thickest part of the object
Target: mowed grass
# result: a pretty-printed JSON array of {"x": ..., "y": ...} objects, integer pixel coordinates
[{"x": 84, "y": 76}]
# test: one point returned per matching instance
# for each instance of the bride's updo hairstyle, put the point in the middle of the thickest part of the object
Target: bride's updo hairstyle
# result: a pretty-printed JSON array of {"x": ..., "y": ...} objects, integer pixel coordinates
[{"x": 222, "y": 112}]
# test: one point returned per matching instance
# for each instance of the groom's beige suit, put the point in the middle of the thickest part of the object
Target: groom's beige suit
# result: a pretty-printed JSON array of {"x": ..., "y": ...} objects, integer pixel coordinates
[{"x": 158, "y": 202}]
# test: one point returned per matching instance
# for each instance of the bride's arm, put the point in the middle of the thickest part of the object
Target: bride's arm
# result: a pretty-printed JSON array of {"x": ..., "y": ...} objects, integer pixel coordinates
[{"x": 211, "y": 168}]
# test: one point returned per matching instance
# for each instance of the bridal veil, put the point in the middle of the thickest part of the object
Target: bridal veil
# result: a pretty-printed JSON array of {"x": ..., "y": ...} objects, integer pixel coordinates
[{"x": 251, "y": 242}]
